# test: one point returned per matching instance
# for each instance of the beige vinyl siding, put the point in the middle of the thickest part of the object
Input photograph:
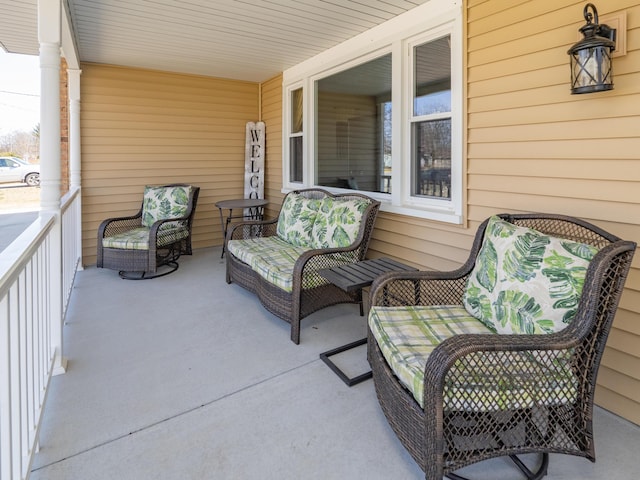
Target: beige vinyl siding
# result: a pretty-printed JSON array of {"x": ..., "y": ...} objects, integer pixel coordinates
[
  {"x": 144, "y": 127},
  {"x": 532, "y": 146},
  {"x": 272, "y": 117}
]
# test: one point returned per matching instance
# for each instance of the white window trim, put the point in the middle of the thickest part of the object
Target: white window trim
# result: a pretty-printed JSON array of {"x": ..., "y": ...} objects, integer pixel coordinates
[
  {"x": 431, "y": 20},
  {"x": 287, "y": 184},
  {"x": 425, "y": 207},
  {"x": 312, "y": 152}
]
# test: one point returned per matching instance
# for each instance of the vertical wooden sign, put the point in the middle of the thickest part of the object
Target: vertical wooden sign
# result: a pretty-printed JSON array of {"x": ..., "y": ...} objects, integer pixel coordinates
[{"x": 254, "y": 160}]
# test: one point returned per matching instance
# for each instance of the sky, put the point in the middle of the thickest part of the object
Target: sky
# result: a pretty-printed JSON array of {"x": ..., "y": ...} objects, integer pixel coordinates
[{"x": 19, "y": 92}]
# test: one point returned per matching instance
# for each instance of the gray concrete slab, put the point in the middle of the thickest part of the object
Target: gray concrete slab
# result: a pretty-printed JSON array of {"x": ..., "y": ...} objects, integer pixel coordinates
[{"x": 186, "y": 377}]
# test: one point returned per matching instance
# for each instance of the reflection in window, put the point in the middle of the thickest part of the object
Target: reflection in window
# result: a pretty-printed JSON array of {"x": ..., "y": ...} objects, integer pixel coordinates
[
  {"x": 431, "y": 121},
  {"x": 354, "y": 127},
  {"x": 432, "y": 148}
]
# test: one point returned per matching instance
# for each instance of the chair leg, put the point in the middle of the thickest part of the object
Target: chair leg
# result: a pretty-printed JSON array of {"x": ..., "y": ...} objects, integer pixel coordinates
[
  {"x": 170, "y": 259},
  {"x": 146, "y": 275},
  {"x": 537, "y": 475},
  {"x": 295, "y": 331}
]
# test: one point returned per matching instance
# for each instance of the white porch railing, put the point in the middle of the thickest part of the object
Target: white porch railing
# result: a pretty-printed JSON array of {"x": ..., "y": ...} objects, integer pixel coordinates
[
  {"x": 27, "y": 334},
  {"x": 71, "y": 243}
]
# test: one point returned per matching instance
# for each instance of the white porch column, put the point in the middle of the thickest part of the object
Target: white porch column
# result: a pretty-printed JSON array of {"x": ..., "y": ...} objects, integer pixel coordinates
[
  {"x": 49, "y": 36},
  {"x": 74, "y": 126},
  {"x": 73, "y": 76}
]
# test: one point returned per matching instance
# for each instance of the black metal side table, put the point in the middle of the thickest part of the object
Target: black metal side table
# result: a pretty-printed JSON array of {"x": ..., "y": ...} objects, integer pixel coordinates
[
  {"x": 255, "y": 206},
  {"x": 353, "y": 277}
]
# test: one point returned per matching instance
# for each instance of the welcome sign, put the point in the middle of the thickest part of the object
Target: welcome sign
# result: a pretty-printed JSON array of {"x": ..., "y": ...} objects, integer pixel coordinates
[{"x": 254, "y": 160}]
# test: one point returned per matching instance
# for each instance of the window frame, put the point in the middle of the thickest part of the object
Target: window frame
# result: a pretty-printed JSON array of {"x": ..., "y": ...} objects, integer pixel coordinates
[
  {"x": 313, "y": 114},
  {"x": 288, "y": 135},
  {"x": 448, "y": 210},
  {"x": 398, "y": 37}
]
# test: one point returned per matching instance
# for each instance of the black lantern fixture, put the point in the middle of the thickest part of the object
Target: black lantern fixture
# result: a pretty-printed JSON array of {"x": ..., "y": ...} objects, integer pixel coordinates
[{"x": 591, "y": 57}]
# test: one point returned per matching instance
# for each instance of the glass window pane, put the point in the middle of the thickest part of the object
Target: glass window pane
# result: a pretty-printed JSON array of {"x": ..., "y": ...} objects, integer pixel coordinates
[
  {"x": 432, "y": 151},
  {"x": 295, "y": 159},
  {"x": 432, "y": 77},
  {"x": 296, "y": 111},
  {"x": 385, "y": 180},
  {"x": 354, "y": 127}
]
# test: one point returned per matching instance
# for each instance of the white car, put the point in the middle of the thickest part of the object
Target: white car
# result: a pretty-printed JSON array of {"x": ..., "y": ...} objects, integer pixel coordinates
[{"x": 14, "y": 169}]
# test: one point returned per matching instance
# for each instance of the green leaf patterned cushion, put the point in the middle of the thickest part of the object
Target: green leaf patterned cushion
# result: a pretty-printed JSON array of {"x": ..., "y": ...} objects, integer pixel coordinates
[
  {"x": 138, "y": 238},
  {"x": 338, "y": 222},
  {"x": 161, "y": 203},
  {"x": 407, "y": 336},
  {"x": 524, "y": 281},
  {"x": 296, "y": 219}
]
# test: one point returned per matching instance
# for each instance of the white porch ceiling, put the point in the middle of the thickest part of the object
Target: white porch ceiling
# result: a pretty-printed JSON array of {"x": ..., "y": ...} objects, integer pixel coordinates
[{"x": 241, "y": 39}]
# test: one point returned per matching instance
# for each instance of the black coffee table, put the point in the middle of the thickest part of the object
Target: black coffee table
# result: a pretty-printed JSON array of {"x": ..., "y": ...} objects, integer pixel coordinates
[{"x": 354, "y": 277}]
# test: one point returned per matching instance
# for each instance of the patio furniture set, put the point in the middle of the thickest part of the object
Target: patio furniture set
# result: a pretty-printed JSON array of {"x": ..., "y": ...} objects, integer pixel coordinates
[{"x": 496, "y": 358}]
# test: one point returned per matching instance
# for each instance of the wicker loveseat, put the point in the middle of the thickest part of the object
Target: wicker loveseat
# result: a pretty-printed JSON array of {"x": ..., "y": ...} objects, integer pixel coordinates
[
  {"x": 499, "y": 357},
  {"x": 157, "y": 235},
  {"x": 278, "y": 259}
]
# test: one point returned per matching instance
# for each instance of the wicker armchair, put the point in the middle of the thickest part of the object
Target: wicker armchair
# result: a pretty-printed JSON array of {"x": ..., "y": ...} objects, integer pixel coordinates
[
  {"x": 138, "y": 245},
  {"x": 491, "y": 395},
  {"x": 309, "y": 292}
]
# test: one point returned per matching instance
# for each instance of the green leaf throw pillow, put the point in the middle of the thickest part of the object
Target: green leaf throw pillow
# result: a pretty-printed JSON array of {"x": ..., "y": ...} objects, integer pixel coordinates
[
  {"x": 296, "y": 219},
  {"x": 338, "y": 222},
  {"x": 525, "y": 281},
  {"x": 162, "y": 203}
]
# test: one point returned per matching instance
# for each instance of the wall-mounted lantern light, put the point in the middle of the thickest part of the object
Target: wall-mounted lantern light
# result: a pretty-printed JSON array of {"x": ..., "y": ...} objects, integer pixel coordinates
[{"x": 591, "y": 57}]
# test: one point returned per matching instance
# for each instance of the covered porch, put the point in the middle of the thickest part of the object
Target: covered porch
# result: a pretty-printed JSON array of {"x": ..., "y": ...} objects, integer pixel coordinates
[{"x": 188, "y": 377}]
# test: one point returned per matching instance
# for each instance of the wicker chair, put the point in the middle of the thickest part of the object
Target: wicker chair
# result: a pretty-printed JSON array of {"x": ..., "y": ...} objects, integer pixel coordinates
[
  {"x": 467, "y": 417},
  {"x": 314, "y": 293},
  {"x": 137, "y": 246}
]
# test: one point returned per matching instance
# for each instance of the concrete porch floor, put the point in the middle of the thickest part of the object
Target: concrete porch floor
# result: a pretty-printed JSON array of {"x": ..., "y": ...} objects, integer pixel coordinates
[{"x": 186, "y": 377}]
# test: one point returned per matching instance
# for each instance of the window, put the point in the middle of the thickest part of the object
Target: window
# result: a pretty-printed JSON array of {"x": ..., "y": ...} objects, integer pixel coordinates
[
  {"x": 431, "y": 120},
  {"x": 383, "y": 115},
  {"x": 350, "y": 126},
  {"x": 295, "y": 137}
]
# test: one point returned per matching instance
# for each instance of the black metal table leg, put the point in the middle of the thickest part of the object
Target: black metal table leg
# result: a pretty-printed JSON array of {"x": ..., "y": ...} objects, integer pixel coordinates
[{"x": 349, "y": 381}]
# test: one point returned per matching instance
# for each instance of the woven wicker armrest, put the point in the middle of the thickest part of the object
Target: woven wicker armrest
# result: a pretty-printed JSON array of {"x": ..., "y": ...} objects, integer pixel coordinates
[
  {"x": 252, "y": 229},
  {"x": 116, "y": 225},
  {"x": 419, "y": 288},
  {"x": 313, "y": 260},
  {"x": 156, "y": 229},
  {"x": 471, "y": 348}
]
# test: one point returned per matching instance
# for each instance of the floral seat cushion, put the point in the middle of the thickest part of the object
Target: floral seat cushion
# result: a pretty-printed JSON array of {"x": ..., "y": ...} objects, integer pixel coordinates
[
  {"x": 325, "y": 223},
  {"x": 337, "y": 222},
  {"x": 138, "y": 238},
  {"x": 162, "y": 203},
  {"x": 525, "y": 281},
  {"x": 296, "y": 219},
  {"x": 407, "y": 336}
]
